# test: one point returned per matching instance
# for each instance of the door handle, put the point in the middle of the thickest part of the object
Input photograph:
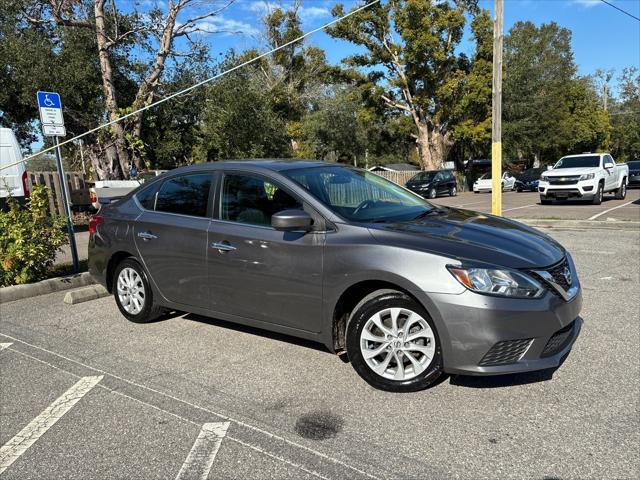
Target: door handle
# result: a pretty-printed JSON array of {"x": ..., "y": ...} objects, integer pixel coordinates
[
  {"x": 223, "y": 246},
  {"x": 147, "y": 235}
]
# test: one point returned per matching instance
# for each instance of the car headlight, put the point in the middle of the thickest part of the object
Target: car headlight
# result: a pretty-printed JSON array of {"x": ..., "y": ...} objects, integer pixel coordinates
[
  {"x": 504, "y": 283},
  {"x": 543, "y": 177},
  {"x": 588, "y": 176}
]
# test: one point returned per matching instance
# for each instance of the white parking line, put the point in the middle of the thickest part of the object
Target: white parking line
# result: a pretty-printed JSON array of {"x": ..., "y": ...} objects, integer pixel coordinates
[
  {"x": 611, "y": 209},
  {"x": 272, "y": 436},
  {"x": 5, "y": 345},
  {"x": 19, "y": 444},
  {"x": 465, "y": 204},
  {"x": 200, "y": 459},
  {"x": 517, "y": 208}
]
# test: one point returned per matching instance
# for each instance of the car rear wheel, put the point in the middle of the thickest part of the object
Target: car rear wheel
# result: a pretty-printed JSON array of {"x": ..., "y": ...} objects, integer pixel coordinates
[
  {"x": 393, "y": 344},
  {"x": 133, "y": 293},
  {"x": 597, "y": 198},
  {"x": 621, "y": 193}
]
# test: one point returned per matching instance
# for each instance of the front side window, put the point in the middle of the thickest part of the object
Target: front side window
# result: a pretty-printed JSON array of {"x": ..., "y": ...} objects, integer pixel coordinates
[
  {"x": 185, "y": 195},
  {"x": 358, "y": 195},
  {"x": 253, "y": 200}
]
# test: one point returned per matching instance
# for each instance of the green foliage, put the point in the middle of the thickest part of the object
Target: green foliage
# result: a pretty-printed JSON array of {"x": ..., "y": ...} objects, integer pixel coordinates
[
  {"x": 29, "y": 239},
  {"x": 625, "y": 117}
]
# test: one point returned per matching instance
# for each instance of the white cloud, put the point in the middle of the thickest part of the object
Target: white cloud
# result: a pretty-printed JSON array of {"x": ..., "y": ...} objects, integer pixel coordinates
[
  {"x": 225, "y": 25},
  {"x": 311, "y": 13},
  {"x": 586, "y": 3}
]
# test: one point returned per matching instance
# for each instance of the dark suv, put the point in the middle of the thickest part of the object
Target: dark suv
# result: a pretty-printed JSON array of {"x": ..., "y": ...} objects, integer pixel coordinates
[{"x": 433, "y": 183}]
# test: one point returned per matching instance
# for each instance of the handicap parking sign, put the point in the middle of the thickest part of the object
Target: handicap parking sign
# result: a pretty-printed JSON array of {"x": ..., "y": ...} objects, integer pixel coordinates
[
  {"x": 51, "y": 117},
  {"x": 49, "y": 100}
]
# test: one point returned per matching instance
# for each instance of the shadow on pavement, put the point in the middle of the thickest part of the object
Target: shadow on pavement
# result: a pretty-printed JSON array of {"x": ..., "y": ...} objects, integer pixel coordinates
[{"x": 254, "y": 331}]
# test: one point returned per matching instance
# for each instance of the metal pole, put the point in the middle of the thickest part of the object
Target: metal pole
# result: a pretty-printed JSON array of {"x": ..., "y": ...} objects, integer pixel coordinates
[
  {"x": 67, "y": 206},
  {"x": 496, "y": 114}
]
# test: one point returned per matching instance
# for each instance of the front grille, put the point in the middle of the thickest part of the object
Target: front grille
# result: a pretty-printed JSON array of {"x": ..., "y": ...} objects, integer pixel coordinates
[
  {"x": 558, "y": 341},
  {"x": 557, "y": 272},
  {"x": 505, "y": 352},
  {"x": 564, "y": 180}
]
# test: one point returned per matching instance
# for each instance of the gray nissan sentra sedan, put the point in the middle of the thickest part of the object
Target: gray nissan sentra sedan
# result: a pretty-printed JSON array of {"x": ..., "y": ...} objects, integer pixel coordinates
[{"x": 407, "y": 289}]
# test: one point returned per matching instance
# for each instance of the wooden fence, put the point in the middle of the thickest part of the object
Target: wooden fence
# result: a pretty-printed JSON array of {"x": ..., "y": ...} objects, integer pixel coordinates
[
  {"x": 399, "y": 177},
  {"x": 78, "y": 189}
]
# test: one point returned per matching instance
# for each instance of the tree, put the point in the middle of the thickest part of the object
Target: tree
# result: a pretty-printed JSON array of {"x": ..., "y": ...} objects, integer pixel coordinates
[
  {"x": 240, "y": 119},
  {"x": 625, "y": 116},
  {"x": 153, "y": 33},
  {"x": 548, "y": 110},
  {"x": 414, "y": 41}
]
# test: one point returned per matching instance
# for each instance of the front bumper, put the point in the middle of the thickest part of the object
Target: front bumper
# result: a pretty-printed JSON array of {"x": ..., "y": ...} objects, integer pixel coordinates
[
  {"x": 484, "y": 335},
  {"x": 580, "y": 189}
]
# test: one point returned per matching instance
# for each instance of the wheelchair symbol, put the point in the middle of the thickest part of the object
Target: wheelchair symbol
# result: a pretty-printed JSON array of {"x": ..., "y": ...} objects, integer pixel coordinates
[{"x": 47, "y": 101}]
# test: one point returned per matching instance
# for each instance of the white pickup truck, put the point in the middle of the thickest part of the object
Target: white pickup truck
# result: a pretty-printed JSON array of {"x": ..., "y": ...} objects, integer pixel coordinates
[{"x": 587, "y": 176}]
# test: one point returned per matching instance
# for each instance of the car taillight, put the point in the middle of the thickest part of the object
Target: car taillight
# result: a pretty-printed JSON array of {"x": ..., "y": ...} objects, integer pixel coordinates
[
  {"x": 25, "y": 184},
  {"x": 94, "y": 222},
  {"x": 93, "y": 198}
]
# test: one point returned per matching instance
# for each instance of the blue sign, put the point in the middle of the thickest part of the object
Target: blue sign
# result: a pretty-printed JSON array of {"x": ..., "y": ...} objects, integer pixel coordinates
[{"x": 49, "y": 100}]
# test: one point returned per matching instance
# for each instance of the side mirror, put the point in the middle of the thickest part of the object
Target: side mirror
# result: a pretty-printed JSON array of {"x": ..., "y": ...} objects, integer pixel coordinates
[
  {"x": 291, "y": 220},
  {"x": 549, "y": 167},
  {"x": 608, "y": 165}
]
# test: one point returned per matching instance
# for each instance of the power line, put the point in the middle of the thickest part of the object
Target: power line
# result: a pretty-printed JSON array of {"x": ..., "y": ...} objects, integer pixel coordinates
[
  {"x": 193, "y": 87},
  {"x": 620, "y": 9}
]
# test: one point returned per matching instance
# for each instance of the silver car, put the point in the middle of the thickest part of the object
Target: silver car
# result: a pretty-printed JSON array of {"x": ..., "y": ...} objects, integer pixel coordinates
[{"x": 409, "y": 291}]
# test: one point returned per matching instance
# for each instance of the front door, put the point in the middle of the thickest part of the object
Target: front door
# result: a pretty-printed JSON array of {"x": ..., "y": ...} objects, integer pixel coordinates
[
  {"x": 610, "y": 180},
  {"x": 172, "y": 239},
  {"x": 258, "y": 272}
]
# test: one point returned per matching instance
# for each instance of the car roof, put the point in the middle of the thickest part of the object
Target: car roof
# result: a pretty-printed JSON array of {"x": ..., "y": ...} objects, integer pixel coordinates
[
  {"x": 255, "y": 163},
  {"x": 586, "y": 154}
]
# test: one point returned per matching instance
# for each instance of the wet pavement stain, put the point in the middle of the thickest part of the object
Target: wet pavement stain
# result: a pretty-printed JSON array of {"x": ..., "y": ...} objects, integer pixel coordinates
[{"x": 319, "y": 425}]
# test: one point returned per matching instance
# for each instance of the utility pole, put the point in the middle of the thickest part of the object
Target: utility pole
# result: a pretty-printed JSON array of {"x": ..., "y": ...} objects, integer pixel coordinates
[{"x": 496, "y": 112}]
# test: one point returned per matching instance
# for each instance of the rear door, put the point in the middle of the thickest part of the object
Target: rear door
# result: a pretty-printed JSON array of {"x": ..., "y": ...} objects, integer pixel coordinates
[
  {"x": 171, "y": 238},
  {"x": 258, "y": 272}
]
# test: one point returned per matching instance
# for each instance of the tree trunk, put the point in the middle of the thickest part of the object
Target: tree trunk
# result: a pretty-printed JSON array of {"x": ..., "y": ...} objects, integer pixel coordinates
[
  {"x": 119, "y": 148},
  {"x": 440, "y": 145},
  {"x": 423, "y": 141}
]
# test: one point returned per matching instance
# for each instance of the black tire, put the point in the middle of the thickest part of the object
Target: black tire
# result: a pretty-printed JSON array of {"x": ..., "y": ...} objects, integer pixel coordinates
[
  {"x": 432, "y": 193},
  {"x": 519, "y": 190},
  {"x": 453, "y": 191},
  {"x": 597, "y": 198},
  {"x": 621, "y": 193},
  {"x": 149, "y": 311},
  {"x": 544, "y": 201},
  {"x": 371, "y": 305}
]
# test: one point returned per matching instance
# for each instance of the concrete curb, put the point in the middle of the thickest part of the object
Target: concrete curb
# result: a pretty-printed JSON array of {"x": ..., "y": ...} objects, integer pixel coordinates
[
  {"x": 91, "y": 292},
  {"x": 580, "y": 224},
  {"x": 18, "y": 292}
]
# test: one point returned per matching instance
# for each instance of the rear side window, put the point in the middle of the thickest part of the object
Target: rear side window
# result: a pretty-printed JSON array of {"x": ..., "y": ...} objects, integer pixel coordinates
[{"x": 185, "y": 195}]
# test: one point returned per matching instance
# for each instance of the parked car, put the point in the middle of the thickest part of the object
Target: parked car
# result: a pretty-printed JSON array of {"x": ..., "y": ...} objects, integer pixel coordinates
[
  {"x": 341, "y": 256},
  {"x": 586, "y": 176},
  {"x": 14, "y": 180},
  {"x": 634, "y": 173},
  {"x": 528, "y": 180},
  {"x": 484, "y": 183},
  {"x": 433, "y": 183}
]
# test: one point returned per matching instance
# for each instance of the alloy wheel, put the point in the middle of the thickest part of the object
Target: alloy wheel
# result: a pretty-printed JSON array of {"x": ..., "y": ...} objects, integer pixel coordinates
[
  {"x": 397, "y": 344},
  {"x": 131, "y": 292}
]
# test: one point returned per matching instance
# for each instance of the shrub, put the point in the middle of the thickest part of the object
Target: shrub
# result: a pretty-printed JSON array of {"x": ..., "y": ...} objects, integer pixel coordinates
[{"x": 29, "y": 239}]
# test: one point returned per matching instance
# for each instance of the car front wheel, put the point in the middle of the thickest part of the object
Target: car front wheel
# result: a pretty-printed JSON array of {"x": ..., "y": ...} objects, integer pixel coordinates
[
  {"x": 597, "y": 198},
  {"x": 133, "y": 293},
  {"x": 393, "y": 344},
  {"x": 453, "y": 191}
]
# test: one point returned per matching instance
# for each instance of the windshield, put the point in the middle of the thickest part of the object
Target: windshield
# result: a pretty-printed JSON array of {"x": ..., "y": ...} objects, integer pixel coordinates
[
  {"x": 424, "y": 176},
  {"x": 486, "y": 176},
  {"x": 531, "y": 174},
  {"x": 358, "y": 195},
  {"x": 634, "y": 164},
  {"x": 578, "y": 162}
]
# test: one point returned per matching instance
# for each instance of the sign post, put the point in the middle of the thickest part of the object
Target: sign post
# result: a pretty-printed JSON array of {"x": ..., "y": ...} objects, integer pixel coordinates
[{"x": 53, "y": 126}]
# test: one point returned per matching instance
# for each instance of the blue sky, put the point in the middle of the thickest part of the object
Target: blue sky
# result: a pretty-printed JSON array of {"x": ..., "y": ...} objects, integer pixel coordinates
[{"x": 602, "y": 36}]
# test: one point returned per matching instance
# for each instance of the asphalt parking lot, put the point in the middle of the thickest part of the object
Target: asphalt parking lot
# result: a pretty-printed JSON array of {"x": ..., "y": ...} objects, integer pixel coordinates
[
  {"x": 86, "y": 394},
  {"x": 526, "y": 205}
]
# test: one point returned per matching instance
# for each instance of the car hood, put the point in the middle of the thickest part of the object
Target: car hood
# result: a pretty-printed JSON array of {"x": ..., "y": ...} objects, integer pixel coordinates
[
  {"x": 473, "y": 237},
  {"x": 564, "y": 172}
]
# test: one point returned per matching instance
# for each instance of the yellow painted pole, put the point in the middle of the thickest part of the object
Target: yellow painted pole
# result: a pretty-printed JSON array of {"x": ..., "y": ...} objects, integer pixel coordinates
[{"x": 496, "y": 111}]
